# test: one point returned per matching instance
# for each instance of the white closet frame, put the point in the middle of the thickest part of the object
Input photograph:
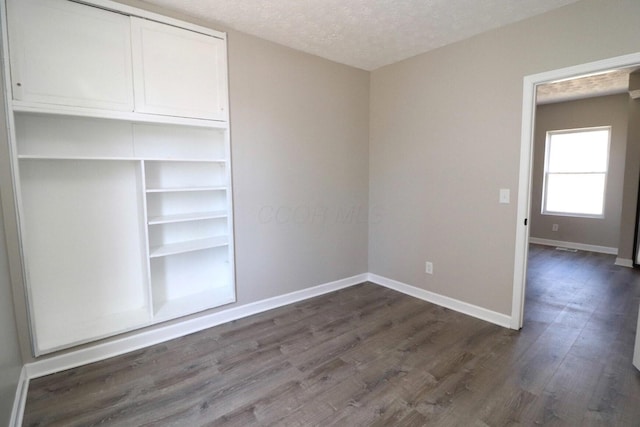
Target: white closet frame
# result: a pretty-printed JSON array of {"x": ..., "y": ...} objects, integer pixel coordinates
[{"x": 141, "y": 163}]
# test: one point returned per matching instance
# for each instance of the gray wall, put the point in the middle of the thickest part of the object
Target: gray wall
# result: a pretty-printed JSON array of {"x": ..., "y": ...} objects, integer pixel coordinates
[
  {"x": 300, "y": 158},
  {"x": 445, "y": 137},
  {"x": 601, "y": 111}
]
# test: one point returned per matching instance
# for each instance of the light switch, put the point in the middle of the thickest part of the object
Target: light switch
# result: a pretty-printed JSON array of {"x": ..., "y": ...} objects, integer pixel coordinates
[{"x": 505, "y": 195}]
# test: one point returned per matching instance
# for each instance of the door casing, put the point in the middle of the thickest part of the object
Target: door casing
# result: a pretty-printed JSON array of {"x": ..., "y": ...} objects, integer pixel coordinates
[{"x": 526, "y": 164}]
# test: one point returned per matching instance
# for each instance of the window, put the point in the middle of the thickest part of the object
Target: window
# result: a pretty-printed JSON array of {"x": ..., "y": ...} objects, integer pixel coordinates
[{"x": 575, "y": 172}]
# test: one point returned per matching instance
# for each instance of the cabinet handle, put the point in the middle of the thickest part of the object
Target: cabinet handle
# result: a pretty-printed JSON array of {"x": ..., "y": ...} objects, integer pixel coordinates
[{"x": 18, "y": 84}]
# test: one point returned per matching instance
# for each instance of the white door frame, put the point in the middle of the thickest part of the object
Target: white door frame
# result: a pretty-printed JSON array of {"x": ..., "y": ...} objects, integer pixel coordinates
[{"x": 526, "y": 164}]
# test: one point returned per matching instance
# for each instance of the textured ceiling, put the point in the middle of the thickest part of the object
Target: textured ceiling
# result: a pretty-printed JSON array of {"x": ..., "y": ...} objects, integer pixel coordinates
[
  {"x": 365, "y": 34},
  {"x": 609, "y": 83}
]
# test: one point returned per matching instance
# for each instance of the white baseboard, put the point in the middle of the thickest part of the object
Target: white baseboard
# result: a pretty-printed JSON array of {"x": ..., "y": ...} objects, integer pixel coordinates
[
  {"x": 20, "y": 399},
  {"x": 451, "y": 303},
  {"x": 573, "y": 245},
  {"x": 146, "y": 338},
  {"x": 624, "y": 262}
]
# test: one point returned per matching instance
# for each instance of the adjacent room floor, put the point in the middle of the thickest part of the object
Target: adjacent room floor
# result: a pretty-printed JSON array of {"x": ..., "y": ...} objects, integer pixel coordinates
[{"x": 368, "y": 355}]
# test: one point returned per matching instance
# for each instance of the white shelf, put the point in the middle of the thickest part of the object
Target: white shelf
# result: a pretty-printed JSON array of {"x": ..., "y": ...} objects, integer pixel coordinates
[
  {"x": 193, "y": 303},
  {"x": 177, "y": 159},
  {"x": 131, "y": 116},
  {"x": 187, "y": 189},
  {"x": 35, "y": 157},
  {"x": 46, "y": 157},
  {"x": 166, "y": 219},
  {"x": 188, "y": 246}
]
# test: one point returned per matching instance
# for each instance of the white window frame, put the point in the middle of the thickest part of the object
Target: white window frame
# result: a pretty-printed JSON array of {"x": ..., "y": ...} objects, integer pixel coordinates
[{"x": 546, "y": 171}]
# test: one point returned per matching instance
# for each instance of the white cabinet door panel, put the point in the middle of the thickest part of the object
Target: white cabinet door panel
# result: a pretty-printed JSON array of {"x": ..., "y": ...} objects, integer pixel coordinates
[
  {"x": 178, "y": 72},
  {"x": 86, "y": 251},
  {"x": 70, "y": 54}
]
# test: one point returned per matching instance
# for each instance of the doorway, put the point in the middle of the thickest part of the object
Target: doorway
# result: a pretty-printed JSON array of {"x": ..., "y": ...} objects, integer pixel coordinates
[{"x": 526, "y": 164}]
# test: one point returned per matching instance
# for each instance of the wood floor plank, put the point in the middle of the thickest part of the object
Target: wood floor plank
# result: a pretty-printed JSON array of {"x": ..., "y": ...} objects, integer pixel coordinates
[
  {"x": 568, "y": 394},
  {"x": 368, "y": 355}
]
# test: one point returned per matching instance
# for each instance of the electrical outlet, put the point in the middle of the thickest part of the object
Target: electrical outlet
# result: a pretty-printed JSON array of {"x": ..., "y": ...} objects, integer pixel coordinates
[
  {"x": 428, "y": 268},
  {"x": 554, "y": 227}
]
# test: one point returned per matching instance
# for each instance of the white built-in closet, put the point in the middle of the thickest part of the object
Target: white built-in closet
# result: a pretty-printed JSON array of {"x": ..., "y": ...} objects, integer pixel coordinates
[{"x": 121, "y": 165}]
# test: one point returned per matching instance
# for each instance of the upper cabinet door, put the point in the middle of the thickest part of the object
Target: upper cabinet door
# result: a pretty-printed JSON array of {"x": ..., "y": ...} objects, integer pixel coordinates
[
  {"x": 70, "y": 54},
  {"x": 178, "y": 72}
]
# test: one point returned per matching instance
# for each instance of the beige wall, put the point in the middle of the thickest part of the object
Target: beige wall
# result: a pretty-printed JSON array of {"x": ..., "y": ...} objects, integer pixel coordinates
[
  {"x": 601, "y": 111},
  {"x": 300, "y": 159},
  {"x": 445, "y": 137}
]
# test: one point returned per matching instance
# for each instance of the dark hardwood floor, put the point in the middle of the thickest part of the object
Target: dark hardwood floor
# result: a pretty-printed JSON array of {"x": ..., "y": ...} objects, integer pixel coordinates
[{"x": 368, "y": 355}]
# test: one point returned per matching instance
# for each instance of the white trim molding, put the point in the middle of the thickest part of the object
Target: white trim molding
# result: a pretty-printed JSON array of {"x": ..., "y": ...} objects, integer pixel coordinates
[
  {"x": 20, "y": 399},
  {"x": 573, "y": 245},
  {"x": 444, "y": 301},
  {"x": 526, "y": 161},
  {"x": 150, "y": 337},
  {"x": 624, "y": 262},
  {"x": 145, "y": 338}
]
